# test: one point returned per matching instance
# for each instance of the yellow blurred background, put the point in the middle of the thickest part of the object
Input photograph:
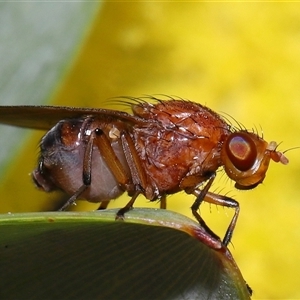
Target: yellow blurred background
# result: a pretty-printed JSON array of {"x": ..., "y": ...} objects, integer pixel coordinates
[{"x": 239, "y": 58}]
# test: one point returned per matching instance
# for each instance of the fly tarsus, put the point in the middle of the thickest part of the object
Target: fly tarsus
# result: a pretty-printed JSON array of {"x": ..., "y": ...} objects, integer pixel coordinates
[
  {"x": 121, "y": 213},
  {"x": 72, "y": 200}
]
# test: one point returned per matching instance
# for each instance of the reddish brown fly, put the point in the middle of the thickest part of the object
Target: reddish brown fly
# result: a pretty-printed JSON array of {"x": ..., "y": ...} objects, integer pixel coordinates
[{"x": 162, "y": 148}]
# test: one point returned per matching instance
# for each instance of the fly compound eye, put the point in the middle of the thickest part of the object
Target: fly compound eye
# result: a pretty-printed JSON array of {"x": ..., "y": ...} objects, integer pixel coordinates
[{"x": 241, "y": 151}]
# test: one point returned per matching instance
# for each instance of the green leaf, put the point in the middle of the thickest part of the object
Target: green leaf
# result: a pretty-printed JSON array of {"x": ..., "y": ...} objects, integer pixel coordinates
[{"x": 154, "y": 254}]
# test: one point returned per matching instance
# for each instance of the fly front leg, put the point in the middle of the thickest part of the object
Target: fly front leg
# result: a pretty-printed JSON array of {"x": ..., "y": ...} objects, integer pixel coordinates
[
  {"x": 201, "y": 194},
  {"x": 205, "y": 195},
  {"x": 227, "y": 202}
]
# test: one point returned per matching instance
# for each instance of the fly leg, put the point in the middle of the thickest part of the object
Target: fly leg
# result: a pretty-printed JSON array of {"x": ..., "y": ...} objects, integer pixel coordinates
[
  {"x": 138, "y": 175},
  {"x": 129, "y": 205},
  {"x": 99, "y": 139},
  {"x": 205, "y": 195},
  {"x": 130, "y": 183},
  {"x": 163, "y": 202},
  {"x": 201, "y": 194},
  {"x": 86, "y": 174},
  {"x": 228, "y": 202},
  {"x": 103, "y": 205},
  {"x": 121, "y": 212}
]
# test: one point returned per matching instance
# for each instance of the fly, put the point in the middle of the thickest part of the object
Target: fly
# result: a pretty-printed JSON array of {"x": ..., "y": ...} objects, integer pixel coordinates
[{"x": 160, "y": 149}]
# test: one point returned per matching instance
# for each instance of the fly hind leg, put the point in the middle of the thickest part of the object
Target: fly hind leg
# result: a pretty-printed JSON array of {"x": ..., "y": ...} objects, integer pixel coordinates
[
  {"x": 98, "y": 138},
  {"x": 86, "y": 174}
]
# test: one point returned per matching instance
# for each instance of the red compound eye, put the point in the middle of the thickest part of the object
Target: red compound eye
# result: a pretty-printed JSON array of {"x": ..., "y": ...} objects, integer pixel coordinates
[{"x": 241, "y": 150}]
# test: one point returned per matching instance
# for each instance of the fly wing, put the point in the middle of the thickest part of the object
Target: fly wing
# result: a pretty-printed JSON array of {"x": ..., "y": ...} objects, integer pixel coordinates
[{"x": 45, "y": 117}]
